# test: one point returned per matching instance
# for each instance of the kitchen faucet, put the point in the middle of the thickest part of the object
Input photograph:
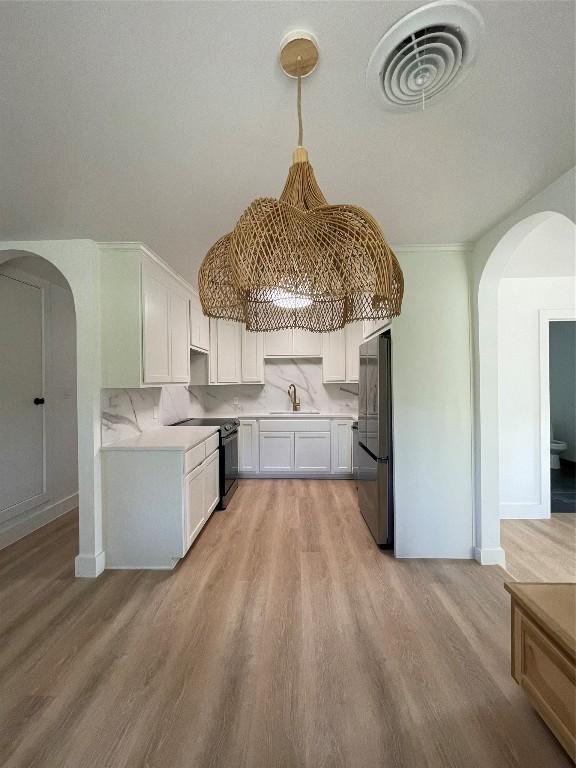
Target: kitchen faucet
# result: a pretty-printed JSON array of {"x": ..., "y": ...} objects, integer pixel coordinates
[{"x": 293, "y": 399}]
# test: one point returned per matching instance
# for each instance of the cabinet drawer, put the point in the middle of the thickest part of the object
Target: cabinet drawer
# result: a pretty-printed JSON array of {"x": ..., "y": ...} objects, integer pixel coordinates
[
  {"x": 547, "y": 676},
  {"x": 194, "y": 456},
  {"x": 212, "y": 444},
  {"x": 294, "y": 425}
]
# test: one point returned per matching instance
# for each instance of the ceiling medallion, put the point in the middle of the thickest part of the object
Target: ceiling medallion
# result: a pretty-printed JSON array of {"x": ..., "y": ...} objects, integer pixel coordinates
[{"x": 296, "y": 261}]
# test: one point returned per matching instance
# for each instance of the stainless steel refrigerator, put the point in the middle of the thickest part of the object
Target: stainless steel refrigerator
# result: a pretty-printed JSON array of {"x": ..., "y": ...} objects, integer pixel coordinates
[{"x": 375, "y": 476}]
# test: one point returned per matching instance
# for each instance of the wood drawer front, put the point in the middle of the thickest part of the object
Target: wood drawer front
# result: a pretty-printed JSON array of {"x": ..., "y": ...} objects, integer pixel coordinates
[
  {"x": 212, "y": 444},
  {"x": 294, "y": 425},
  {"x": 548, "y": 677},
  {"x": 193, "y": 457}
]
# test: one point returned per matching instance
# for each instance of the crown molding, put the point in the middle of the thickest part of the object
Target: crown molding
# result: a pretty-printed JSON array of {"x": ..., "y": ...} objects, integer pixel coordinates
[
  {"x": 433, "y": 248},
  {"x": 136, "y": 246}
]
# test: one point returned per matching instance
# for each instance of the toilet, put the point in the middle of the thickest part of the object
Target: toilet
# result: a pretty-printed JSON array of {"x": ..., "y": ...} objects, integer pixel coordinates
[{"x": 556, "y": 448}]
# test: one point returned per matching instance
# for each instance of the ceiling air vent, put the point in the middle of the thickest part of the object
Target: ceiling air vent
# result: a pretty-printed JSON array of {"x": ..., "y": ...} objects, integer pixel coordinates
[{"x": 424, "y": 54}]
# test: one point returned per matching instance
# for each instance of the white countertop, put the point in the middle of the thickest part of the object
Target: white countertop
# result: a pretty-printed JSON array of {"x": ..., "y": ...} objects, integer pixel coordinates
[
  {"x": 295, "y": 415},
  {"x": 164, "y": 439}
]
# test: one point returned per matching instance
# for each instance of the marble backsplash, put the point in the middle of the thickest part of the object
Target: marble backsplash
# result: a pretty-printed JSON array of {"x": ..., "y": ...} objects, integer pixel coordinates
[{"x": 128, "y": 412}]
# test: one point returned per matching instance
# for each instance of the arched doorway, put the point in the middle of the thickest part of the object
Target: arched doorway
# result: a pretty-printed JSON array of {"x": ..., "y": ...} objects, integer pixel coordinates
[
  {"x": 511, "y": 249},
  {"x": 77, "y": 261}
]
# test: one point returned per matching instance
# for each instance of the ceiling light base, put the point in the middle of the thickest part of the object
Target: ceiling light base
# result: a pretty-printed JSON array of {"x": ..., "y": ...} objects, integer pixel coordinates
[{"x": 298, "y": 54}]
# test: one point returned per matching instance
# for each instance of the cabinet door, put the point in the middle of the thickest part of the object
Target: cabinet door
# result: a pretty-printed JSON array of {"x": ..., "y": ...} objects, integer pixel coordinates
[
  {"x": 278, "y": 343},
  {"x": 353, "y": 336},
  {"x": 211, "y": 483},
  {"x": 195, "y": 315},
  {"x": 276, "y": 451},
  {"x": 156, "y": 330},
  {"x": 307, "y": 344},
  {"x": 312, "y": 452},
  {"x": 179, "y": 338},
  {"x": 248, "y": 446},
  {"x": 342, "y": 447},
  {"x": 204, "y": 342},
  {"x": 252, "y": 357},
  {"x": 228, "y": 352},
  {"x": 333, "y": 356},
  {"x": 195, "y": 503}
]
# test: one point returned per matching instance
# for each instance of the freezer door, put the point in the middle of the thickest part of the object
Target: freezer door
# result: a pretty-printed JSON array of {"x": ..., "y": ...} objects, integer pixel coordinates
[{"x": 374, "y": 499}]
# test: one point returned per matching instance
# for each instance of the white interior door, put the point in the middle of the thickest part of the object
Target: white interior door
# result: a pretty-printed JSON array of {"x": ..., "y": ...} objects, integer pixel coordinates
[{"x": 22, "y": 458}]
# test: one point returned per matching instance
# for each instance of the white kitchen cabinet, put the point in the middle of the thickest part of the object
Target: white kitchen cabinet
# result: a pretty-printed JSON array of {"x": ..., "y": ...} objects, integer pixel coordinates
[
  {"x": 340, "y": 354},
  {"x": 373, "y": 326},
  {"x": 236, "y": 356},
  {"x": 145, "y": 318},
  {"x": 312, "y": 452},
  {"x": 248, "y": 446},
  {"x": 156, "y": 501},
  {"x": 252, "y": 357},
  {"x": 195, "y": 504},
  {"x": 292, "y": 343},
  {"x": 276, "y": 451},
  {"x": 156, "y": 333},
  {"x": 179, "y": 338},
  {"x": 199, "y": 326},
  {"x": 341, "y": 459},
  {"x": 334, "y": 356}
]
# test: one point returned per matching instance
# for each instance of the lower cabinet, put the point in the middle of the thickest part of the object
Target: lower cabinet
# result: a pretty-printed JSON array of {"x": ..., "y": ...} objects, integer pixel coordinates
[
  {"x": 272, "y": 447},
  {"x": 155, "y": 502}
]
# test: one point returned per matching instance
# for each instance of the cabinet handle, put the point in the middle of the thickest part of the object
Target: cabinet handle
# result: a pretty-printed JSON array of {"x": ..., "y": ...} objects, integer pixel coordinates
[{"x": 38, "y": 401}]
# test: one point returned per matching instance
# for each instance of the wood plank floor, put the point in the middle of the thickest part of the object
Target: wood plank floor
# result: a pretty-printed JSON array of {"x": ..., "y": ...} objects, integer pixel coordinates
[
  {"x": 285, "y": 639},
  {"x": 540, "y": 550}
]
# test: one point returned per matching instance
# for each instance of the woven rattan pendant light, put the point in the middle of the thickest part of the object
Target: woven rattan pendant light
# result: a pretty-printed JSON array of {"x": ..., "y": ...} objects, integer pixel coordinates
[{"x": 296, "y": 261}]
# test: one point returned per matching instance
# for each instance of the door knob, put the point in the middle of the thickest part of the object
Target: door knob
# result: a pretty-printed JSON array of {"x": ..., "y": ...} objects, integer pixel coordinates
[{"x": 38, "y": 401}]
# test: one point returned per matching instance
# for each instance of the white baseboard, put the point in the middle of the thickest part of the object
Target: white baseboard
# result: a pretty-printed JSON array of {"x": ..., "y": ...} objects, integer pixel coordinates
[
  {"x": 28, "y": 522},
  {"x": 495, "y": 556},
  {"x": 89, "y": 566},
  {"x": 524, "y": 512}
]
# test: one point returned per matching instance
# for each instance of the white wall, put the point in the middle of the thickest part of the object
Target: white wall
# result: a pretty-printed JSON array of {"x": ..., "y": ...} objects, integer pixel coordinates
[
  {"x": 563, "y": 384},
  {"x": 432, "y": 406},
  {"x": 520, "y": 302},
  {"x": 61, "y": 452},
  {"x": 487, "y": 263}
]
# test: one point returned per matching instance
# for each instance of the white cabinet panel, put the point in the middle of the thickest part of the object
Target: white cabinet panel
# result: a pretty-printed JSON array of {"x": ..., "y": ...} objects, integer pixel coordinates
[
  {"x": 252, "y": 357},
  {"x": 353, "y": 334},
  {"x": 211, "y": 483},
  {"x": 228, "y": 352},
  {"x": 199, "y": 326},
  {"x": 342, "y": 447},
  {"x": 278, "y": 343},
  {"x": 156, "y": 331},
  {"x": 371, "y": 326},
  {"x": 307, "y": 344},
  {"x": 204, "y": 332},
  {"x": 179, "y": 338},
  {"x": 277, "y": 451},
  {"x": 248, "y": 444},
  {"x": 195, "y": 503},
  {"x": 334, "y": 356},
  {"x": 312, "y": 452}
]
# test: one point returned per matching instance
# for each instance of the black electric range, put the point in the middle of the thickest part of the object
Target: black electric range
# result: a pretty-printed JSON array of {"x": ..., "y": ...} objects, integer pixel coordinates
[{"x": 228, "y": 431}]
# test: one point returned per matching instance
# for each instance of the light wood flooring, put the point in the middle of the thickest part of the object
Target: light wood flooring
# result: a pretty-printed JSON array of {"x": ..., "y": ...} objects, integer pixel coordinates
[
  {"x": 285, "y": 639},
  {"x": 540, "y": 550}
]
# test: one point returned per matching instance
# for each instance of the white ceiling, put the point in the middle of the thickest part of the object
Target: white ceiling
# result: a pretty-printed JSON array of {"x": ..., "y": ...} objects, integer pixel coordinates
[{"x": 160, "y": 122}]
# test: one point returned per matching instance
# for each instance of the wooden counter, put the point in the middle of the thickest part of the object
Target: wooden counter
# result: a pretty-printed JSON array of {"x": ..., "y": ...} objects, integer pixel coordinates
[{"x": 544, "y": 653}]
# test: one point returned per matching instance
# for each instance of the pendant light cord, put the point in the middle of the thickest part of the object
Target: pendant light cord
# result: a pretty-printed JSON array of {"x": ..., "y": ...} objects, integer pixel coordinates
[{"x": 299, "y": 102}]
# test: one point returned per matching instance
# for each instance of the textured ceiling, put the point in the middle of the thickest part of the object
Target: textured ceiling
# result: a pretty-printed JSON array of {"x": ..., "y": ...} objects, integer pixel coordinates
[{"x": 160, "y": 122}]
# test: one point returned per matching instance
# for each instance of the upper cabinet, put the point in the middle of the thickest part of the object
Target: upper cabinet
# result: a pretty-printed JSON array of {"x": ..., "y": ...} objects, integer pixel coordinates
[
  {"x": 340, "y": 354},
  {"x": 199, "y": 327},
  {"x": 292, "y": 343},
  {"x": 373, "y": 326},
  {"x": 236, "y": 356},
  {"x": 145, "y": 319}
]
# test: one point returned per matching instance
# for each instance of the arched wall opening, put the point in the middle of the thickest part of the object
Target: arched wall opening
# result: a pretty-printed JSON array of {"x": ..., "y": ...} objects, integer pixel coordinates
[
  {"x": 520, "y": 253},
  {"x": 77, "y": 261}
]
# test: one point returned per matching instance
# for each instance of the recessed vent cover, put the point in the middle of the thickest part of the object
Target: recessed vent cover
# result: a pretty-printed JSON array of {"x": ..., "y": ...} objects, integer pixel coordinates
[{"x": 424, "y": 54}]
